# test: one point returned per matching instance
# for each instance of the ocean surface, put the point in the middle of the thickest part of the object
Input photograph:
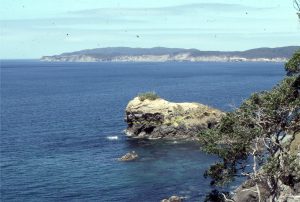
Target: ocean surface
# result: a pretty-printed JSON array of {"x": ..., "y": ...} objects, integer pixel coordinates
[{"x": 61, "y": 128}]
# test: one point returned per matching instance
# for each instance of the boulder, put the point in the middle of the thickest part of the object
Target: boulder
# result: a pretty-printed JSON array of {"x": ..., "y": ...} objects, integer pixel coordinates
[
  {"x": 130, "y": 156},
  {"x": 156, "y": 119},
  {"x": 173, "y": 199}
]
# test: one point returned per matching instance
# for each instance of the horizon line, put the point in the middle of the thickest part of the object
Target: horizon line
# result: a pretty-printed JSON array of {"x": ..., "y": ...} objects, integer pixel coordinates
[{"x": 1, "y": 59}]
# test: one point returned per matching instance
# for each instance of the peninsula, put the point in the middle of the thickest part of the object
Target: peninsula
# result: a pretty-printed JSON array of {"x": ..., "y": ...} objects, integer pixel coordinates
[{"x": 161, "y": 54}]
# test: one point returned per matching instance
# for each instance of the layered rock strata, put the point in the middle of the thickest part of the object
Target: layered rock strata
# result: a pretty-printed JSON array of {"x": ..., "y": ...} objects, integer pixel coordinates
[{"x": 160, "y": 119}]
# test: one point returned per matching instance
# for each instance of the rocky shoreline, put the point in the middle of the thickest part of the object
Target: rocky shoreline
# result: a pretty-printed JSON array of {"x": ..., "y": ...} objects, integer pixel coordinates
[{"x": 156, "y": 118}]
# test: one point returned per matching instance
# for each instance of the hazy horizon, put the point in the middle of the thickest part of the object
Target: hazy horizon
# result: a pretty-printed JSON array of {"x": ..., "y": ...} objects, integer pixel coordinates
[{"x": 31, "y": 29}]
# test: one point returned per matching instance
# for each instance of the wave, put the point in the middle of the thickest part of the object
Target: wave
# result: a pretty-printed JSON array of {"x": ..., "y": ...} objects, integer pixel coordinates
[{"x": 112, "y": 137}]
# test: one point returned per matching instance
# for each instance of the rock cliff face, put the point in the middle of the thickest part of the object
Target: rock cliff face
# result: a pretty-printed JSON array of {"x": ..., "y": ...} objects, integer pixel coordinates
[{"x": 156, "y": 119}]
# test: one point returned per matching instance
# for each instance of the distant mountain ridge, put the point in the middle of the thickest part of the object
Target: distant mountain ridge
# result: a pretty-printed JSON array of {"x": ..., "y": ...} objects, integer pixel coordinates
[{"x": 161, "y": 54}]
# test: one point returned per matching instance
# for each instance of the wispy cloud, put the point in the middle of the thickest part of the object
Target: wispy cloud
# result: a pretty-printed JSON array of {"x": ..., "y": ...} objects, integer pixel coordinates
[
  {"x": 67, "y": 22},
  {"x": 155, "y": 17},
  {"x": 170, "y": 10}
]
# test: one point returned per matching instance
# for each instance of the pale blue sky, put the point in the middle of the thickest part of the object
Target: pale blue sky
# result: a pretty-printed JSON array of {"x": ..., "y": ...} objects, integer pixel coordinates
[{"x": 33, "y": 28}]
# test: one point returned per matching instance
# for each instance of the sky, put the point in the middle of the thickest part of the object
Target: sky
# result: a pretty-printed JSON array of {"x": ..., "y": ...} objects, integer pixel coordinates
[{"x": 34, "y": 28}]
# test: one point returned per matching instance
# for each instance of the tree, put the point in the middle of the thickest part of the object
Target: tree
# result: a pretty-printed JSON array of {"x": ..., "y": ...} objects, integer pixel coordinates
[
  {"x": 293, "y": 65},
  {"x": 260, "y": 132},
  {"x": 297, "y": 7}
]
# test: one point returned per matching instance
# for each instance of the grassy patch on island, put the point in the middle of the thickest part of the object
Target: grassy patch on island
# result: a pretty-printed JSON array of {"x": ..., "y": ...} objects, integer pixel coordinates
[{"x": 148, "y": 96}]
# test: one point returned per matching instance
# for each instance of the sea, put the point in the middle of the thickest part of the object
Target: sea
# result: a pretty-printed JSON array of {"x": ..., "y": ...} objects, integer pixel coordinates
[{"x": 62, "y": 128}]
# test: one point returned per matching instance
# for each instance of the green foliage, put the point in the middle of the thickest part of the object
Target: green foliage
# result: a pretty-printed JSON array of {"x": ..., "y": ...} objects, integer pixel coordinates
[
  {"x": 148, "y": 96},
  {"x": 293, "y": 65},
  {"x": 222, "y": 173},
  {"x": 265, "y": 125}
]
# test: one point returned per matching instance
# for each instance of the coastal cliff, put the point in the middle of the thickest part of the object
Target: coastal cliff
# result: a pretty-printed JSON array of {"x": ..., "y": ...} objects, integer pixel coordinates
[
  {"x": 161, "y": 54},
  {"x": 160, "y": 119},
  {"x": 160, "y": 58}
]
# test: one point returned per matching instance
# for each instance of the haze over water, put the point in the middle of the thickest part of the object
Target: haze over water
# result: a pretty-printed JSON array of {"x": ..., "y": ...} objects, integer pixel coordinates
[{"x": 61, "y": 127}]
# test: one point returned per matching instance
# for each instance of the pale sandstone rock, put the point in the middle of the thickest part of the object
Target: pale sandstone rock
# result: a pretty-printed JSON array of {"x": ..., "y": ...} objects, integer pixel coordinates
[{"x": 156, "y": 119}]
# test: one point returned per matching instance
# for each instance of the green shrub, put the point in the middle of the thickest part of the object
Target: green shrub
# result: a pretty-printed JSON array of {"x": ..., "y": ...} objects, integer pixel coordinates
[
  {"x": 148, "y": 95},
  {"x": 293, "y": 65},
  {"x": 266, "y": 128}
]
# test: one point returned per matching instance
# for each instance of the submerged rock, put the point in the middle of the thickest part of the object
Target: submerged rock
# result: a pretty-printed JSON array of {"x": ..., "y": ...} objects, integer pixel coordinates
[
  {"x": 173, "y": 199},
  {"x": 130, "y": 156},
  {"x": 156, "y": 119}
]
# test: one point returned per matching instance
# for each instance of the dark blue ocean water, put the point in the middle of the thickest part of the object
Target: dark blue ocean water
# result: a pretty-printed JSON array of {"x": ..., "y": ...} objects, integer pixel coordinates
[{"x": 56, "y": 120}]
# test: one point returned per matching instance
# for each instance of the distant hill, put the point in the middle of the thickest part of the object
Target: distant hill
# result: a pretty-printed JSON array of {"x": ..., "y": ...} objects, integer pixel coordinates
[{"x": 161, "y": 54}]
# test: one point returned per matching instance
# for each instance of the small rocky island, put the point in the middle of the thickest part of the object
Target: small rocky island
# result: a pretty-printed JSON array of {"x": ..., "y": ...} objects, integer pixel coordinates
[
  {"x": 130, "y": 156},
  {"x": 151, "y": 117}
]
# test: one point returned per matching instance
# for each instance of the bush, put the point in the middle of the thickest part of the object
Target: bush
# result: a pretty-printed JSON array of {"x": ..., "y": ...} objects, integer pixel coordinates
[
  {"x": 293, "y": 65},
  {"x": 148, "y": 95}
]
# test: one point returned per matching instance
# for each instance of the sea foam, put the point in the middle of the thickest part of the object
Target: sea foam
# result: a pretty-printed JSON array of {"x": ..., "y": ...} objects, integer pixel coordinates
[{"x": 112, "y": 137}]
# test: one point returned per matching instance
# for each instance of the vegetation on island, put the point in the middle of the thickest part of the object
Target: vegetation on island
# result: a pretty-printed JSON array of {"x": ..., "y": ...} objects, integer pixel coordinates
[
  {"x": 260, "y": 140},
  {"x": 148, "y": 96}
]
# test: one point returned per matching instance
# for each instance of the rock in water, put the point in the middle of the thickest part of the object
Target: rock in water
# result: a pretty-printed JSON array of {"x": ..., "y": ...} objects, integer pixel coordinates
[
  {"x": 155, "y": 119},
  {"x": 173, "y": 199},
  {"x": 130, "y": 156}
]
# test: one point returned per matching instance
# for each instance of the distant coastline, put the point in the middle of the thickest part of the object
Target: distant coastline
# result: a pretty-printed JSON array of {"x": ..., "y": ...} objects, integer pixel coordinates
[
  {"x": 160, "y": 54},
  {"x": 162, "y": 58}
]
